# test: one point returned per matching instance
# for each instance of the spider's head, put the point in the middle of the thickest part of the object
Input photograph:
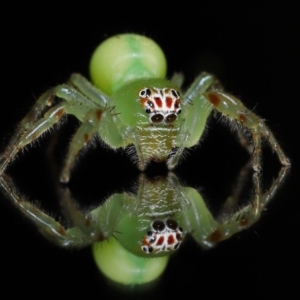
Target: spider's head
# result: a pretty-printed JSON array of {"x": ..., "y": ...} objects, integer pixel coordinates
[{"x": 162, "y": 104}]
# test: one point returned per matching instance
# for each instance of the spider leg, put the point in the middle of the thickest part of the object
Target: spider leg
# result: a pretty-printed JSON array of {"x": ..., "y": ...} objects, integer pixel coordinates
[
  {"x": 242, "y": 179},
  {"x": 20, "y": 140},
  {"x": 45, "y": 101},
  {"x": 34, "y": 124},
  {"x": 234, "y": 110},
  {"x": 195, "y": 115},
  {"x": 78, "y": 236},
  {"x": 87, "y": 89},
  {"x": 248, "y": 215},
  {"x": 81, "y": 138},
  {"x": 51, "y": 117}
]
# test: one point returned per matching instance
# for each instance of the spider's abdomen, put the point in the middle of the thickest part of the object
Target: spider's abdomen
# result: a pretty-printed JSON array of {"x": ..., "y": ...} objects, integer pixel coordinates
[{"x": 123, "y": 58}]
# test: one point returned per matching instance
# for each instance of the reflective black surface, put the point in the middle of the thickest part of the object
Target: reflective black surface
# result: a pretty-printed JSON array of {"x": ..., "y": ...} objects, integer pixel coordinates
[{"x": 254, "y": 53}]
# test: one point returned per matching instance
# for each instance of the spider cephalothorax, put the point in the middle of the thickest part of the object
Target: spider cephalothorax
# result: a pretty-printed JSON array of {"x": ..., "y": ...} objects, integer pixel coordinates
[{"x": 162, "y": 105}]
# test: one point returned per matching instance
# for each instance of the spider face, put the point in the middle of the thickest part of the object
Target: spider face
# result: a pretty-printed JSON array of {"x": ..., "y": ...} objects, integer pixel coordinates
[
  {"x": 162, "y": 105},
  {"x": 165, "y": 235}
]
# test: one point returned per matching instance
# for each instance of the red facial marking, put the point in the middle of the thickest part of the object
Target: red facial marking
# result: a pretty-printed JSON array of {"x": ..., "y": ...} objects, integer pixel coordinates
[
  {"x": 165, "y": 235},
  {"x": 169, "y": 102},
  {"x": 214, "y": 99},
  {"x": 158, "y": 101},
  {"x": 171, "y": 240},
  {"x": 160, "y": 104},
  {"x": 160, "y": 241}
]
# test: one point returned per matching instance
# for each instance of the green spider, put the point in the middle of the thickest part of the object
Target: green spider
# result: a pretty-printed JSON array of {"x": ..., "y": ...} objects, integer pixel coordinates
[{"x": 131, "y": 103}]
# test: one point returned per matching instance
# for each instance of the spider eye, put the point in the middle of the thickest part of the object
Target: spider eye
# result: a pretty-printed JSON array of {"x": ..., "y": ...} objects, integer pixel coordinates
[
  {"x": 144, "y": 93},
  {"x": 176, "y": 94},
  {"x": 172, "y": 224},
  {"x": 157, "y": 118},
  {"x": 150, "y": 104},
  {"x": 148, "y": 110},
  {"x": 150, "y": 233},
  {"x": 147, "y": 249},
  {"x": 170, "y": 118},
  {"x": 158, "y": 225}
]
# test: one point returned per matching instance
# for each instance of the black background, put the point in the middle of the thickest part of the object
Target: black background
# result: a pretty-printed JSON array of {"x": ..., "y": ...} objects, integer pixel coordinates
[{"x": 252, "y": 49}]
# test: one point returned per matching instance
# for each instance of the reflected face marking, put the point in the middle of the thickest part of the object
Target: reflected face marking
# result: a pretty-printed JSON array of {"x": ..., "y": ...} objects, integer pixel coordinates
[{"x": 165, "y": 235}]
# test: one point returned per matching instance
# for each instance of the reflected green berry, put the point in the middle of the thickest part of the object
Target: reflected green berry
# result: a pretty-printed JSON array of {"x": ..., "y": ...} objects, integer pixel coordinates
[{"x": 123, "y": 267}]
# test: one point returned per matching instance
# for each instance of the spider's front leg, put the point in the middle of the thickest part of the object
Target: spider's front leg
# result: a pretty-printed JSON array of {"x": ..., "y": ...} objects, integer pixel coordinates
[
  {"x": 205, "y": 95},
  {"x": 44, "y": 102},
  {"x": 23, "y": 137},
  {"x": 80, "y": 99},
  {"x": 99, "y": 119},
  {"x": 36, "y": 123},
  {"x": 233, "y": 108}
]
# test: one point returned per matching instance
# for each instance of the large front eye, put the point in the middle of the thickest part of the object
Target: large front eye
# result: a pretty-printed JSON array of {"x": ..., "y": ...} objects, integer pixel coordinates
[
  {"x": 172, "y": 224},
  {"x": 159, "y": 225},
  {"x": 158, "y": 118},
  {"x": 170, "y": 118}
]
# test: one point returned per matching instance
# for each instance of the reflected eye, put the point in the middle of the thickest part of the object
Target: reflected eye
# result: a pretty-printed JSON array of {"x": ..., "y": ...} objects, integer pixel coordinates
[
  {"x": 158, "y": 225},
  {"x": 172, "y": 224},
  {"x": 176, "y": 94}
]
